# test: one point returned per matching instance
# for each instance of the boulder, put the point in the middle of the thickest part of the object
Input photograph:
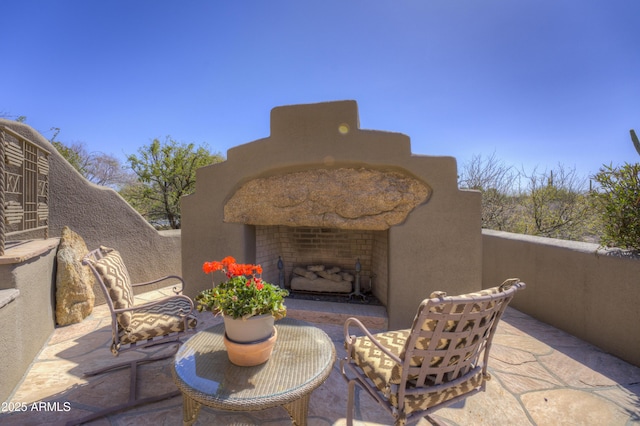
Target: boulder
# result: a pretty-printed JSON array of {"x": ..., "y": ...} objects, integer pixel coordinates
[
  {"x": 345, "y": 198},
  {"x": 74, "y": 281}
]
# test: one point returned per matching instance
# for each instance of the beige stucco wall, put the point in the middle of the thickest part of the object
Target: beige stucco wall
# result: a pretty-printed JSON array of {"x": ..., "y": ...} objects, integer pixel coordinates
[
  {"x": 438, "y": 247},
  {"x": 101, "y": 217},
  {"x": 571, "y": 285},
  {"x": 26, "y": 322}
]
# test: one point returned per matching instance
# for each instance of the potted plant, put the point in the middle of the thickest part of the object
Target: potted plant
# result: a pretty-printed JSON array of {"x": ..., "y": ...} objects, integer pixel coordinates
[{"x": 248, "y": 304}]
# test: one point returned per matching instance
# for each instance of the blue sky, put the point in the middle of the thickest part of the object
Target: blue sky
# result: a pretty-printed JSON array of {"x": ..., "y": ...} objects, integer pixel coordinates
[{"x": 537, "y": 82}]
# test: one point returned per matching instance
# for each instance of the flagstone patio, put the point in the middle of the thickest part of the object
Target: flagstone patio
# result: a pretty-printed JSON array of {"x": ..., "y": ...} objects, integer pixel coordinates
[{"x": 540, "y": 376}]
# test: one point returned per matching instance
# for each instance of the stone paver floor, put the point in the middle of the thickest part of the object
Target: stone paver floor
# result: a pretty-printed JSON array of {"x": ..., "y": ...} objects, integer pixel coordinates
[{"x": 540, "y": 376}]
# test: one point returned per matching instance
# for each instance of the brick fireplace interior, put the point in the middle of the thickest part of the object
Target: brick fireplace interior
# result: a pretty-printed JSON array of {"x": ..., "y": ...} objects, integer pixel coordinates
[{"x": 302, "y": 246}]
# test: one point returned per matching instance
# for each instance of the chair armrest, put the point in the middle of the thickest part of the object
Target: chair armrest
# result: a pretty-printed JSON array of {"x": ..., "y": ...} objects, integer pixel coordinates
[
  {"x": 157, "y": 302},
  {"x": 349, "y": 339},
  {"x": 168, "y": 277}
]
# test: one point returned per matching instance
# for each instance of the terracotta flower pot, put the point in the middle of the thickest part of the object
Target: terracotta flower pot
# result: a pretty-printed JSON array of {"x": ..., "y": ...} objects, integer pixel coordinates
[{"x": 250, "y": 354}]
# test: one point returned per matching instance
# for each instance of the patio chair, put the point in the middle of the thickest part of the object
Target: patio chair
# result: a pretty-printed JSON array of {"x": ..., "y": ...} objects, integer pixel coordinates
[
  {"x": 440, "y": 360},
  {"x": 137, "y": 326}
]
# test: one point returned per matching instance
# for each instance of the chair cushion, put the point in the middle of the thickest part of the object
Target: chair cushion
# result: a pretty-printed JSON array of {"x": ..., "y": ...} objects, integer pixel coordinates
[
  {"x": 115, "y": 277},
  {"x": 423, "y": 401},
  {"x": 158, "y": 320},
  {"x": 385, "y": 373},
  {"x": 377, "y": 365}
]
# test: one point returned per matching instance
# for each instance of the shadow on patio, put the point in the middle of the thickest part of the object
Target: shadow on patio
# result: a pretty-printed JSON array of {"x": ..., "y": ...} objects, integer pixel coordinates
[{"x": 540, "y": 376}]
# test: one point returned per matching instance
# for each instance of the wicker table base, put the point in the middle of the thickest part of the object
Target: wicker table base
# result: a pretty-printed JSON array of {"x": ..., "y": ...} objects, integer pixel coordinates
[{"x": 301, "y": 361}]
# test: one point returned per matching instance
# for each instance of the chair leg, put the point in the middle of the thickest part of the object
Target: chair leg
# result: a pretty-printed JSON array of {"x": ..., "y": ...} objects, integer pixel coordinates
[
  {"x": 350, "y": 402},
  {"x": 434, "y": 422},
  {"x": 118, "y": 366},
  {"x": 133, "y": 401}
]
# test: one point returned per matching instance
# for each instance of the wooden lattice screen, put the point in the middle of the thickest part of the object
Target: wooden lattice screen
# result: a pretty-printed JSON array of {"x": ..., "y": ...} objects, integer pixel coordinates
[{"x": 24, "y": 186}]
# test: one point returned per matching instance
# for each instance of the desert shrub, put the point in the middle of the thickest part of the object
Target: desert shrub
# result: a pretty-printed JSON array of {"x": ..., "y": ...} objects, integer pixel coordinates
[{"x": 617, "y": 200}]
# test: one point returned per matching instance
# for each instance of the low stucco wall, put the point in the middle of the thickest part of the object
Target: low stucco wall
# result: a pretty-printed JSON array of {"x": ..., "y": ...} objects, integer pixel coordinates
[
  {"x": 574, "y": 286},
  {"x": 26, "y": 322},
  {"x": 102, "y": 217}
]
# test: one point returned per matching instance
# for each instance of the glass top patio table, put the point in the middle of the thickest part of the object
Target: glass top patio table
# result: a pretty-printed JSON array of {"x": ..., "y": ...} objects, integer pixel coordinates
[{"x": 302, "y": 359}]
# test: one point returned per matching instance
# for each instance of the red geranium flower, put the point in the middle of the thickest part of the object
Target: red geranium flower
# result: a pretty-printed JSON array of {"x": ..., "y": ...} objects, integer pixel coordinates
[{"x": 244, "y": 294}]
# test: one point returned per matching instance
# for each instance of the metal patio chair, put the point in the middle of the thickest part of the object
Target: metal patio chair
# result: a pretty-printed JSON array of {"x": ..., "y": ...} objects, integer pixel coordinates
[
  {"x": 137, "y": 326},
  {"x": 440, "y": 360}
]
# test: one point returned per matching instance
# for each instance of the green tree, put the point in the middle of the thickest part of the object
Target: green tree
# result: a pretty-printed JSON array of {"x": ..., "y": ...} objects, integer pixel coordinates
[
  {"x": 166, "y": 172},
  {"x": 134, "y": 194},
  {"x": 618, "y": 202},
  {"x": 72, "y": 154}
]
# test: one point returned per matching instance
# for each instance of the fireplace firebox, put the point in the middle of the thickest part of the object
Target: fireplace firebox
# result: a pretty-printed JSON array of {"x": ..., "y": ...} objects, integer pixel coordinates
[{"x": 303, "y": 247}]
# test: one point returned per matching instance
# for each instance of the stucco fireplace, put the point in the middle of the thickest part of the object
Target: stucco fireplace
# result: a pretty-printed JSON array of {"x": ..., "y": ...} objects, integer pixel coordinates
[{"x": 320, "y": 190}]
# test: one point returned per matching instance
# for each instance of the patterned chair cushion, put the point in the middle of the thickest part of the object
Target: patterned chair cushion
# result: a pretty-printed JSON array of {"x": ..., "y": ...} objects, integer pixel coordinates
[
  {"x": 158, "y": 320},
  {"x": 385, "y": 373},
  {"x": 423, "y": 401},
  {"x": 115, "y": 277},
  {"x": 378, "y": 366}
]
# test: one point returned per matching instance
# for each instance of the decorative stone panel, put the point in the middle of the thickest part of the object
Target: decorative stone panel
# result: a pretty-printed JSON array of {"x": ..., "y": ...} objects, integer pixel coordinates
[
  {"x": 344, "y": 198},
  {"x": 13, "y": 154}
]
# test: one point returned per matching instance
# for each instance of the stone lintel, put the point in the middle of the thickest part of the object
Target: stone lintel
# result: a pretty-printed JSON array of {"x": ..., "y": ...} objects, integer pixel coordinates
[{"x": 344, "y": 198}]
